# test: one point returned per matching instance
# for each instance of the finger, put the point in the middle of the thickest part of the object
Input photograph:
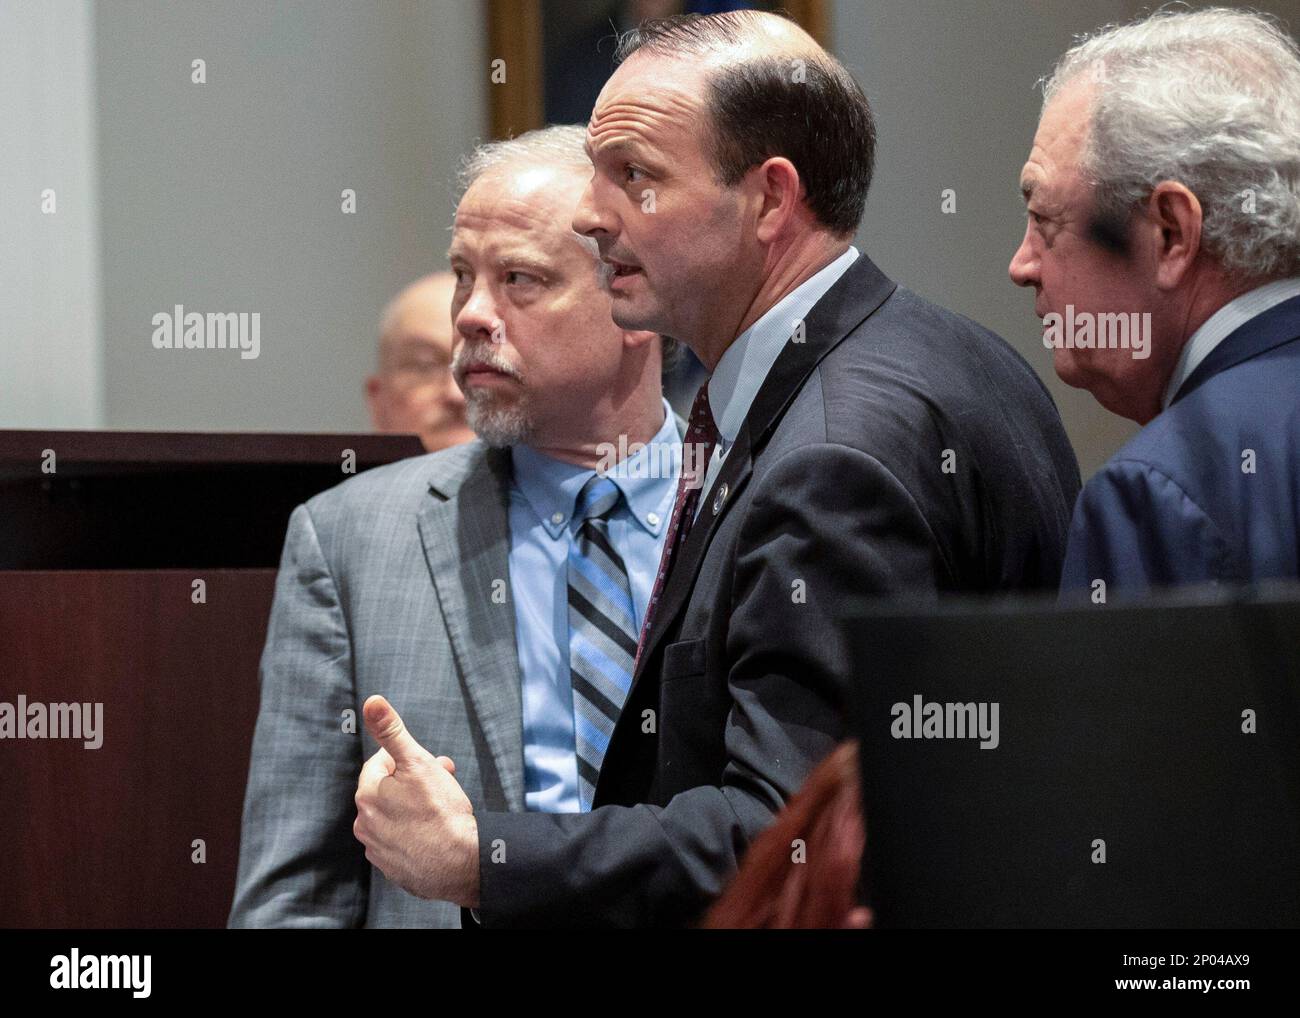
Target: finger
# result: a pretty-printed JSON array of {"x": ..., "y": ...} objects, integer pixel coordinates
[
  {"x": 448, "y": 763},
  {"x": 374, "y": 771},
  {"x": 386, "y": 726}
]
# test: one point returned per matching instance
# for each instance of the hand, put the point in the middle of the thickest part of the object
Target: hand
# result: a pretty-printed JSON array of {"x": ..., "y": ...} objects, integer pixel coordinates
[{"x": 413, "y": 817}]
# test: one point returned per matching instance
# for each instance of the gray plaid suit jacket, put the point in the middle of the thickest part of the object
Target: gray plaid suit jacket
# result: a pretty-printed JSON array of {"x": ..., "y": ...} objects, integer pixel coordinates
[{"x": 395, "y": 582}]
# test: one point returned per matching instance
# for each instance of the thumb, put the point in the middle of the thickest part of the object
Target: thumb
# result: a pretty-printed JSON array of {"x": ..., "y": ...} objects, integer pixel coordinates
[{"x": 388, "y": 730}]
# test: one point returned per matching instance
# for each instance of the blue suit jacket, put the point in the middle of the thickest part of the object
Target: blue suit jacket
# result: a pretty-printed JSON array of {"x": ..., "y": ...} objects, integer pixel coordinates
[{"x": 1209, "y": 491}]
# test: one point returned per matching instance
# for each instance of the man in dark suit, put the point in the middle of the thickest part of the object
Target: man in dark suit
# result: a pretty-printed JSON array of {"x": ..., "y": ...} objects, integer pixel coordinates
[
  {"x": 1162, "y": 189},
  {"x": 853, "y": 441}
]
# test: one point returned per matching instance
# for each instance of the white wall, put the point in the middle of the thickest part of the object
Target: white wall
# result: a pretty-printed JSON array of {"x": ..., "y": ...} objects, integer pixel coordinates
[
  {"x": 225, "y": 196},
  {"x": 51, "y": 365}
]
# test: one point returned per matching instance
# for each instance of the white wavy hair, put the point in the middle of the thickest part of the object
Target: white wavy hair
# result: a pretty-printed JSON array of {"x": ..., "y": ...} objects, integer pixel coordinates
[{"x": 1208, "y": 98}]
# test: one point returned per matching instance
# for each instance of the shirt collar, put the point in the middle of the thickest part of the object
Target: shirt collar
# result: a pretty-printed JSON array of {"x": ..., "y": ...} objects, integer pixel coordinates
[
  {"x": 647, "y": 479},
  {"x": 1222, "y": 324},
  {"x": 745, "y": 365}
]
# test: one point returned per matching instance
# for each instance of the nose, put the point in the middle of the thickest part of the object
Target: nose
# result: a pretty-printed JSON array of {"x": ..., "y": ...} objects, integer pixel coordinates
[
  {"x": 589, "y": 218},
  {"x": 477, "y": 317},
  {"x": 1024, "y": 265}
]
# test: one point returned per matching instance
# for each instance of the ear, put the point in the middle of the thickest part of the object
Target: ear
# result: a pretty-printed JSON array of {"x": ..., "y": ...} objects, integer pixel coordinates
[
  {"x": 779, "y": 190},
  {"x": 1174, "y": 214},
  {"x": 635, "y": 340}
]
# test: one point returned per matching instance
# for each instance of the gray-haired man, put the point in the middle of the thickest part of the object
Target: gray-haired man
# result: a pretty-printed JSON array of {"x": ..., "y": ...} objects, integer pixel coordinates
[
  {"x": 490, "y": 591},
  {"x": 1163, "y": 245}
]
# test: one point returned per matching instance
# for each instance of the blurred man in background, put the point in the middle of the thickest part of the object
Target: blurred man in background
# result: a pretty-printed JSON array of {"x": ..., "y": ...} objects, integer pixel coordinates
[
  {"x": 1163, "y": 191},
  {"x": 413, "y": 392}
]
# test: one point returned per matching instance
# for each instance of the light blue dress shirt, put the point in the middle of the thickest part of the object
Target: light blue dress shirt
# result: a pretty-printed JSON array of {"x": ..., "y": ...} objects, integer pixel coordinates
[
  {"x": 543, "y": 493},
  {"x": 745, "y": 364}
]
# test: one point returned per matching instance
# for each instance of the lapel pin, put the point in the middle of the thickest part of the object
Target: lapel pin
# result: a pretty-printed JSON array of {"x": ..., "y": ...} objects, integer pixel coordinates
[{"x": 719, "y": 498}]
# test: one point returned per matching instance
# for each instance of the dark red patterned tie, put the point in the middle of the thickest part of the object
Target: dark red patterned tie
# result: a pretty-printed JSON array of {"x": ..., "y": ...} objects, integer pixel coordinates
[{"x": 701, "y": 437}]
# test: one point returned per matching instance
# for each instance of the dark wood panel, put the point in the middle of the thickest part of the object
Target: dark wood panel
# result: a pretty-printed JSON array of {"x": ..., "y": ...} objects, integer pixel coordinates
[
  {"x": 133, "y": 500},
  {"x": 103, "y": 837},
  {"x": 22, "y": 451}
]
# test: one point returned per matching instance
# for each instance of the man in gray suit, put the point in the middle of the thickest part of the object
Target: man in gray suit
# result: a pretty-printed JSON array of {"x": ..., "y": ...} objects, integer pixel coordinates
[{"x": 490, "y": 590}]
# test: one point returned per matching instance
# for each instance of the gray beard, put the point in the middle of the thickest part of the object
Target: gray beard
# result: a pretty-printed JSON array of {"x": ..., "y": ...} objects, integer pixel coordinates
[{"x": 498, "y": 427}]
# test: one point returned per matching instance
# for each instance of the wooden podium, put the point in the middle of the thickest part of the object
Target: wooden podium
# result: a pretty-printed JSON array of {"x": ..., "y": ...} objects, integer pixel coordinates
[{"x": 103, "y": 537}]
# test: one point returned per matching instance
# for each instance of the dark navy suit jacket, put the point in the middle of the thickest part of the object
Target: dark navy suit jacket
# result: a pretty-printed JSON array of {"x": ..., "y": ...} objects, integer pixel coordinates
[
  {"x": 900, "y": 449},
  {"x": 1209, "y": 491}
]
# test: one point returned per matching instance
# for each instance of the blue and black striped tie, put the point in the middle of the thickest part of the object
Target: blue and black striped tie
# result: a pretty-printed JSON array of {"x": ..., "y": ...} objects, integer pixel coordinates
[{"x": 602, "y": 631}]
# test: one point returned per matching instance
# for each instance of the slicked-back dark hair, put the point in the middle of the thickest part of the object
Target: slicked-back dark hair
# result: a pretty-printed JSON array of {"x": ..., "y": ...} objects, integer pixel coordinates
[{"x": 806, "y": 108}]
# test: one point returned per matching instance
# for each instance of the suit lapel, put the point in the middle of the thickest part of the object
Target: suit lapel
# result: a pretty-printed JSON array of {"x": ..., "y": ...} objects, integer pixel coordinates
[
  {"x": 465, "y": 530},
  {"x": 855, "y": 296}
]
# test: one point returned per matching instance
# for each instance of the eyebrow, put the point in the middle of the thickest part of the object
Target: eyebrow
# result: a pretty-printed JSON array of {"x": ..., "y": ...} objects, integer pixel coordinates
[
  {"x": 611, "y": 147},
  {"x": 1027, "y": 187},
  {"x": 522, "y": 261}
]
